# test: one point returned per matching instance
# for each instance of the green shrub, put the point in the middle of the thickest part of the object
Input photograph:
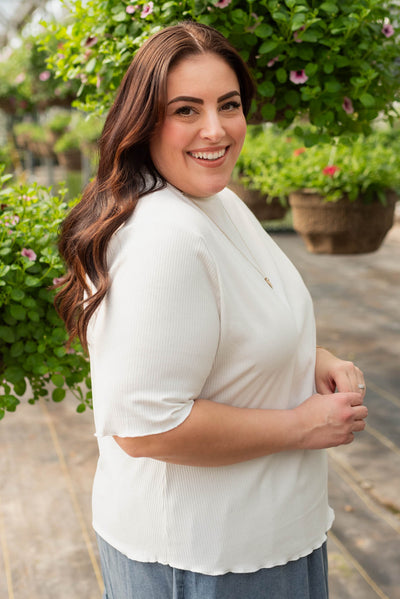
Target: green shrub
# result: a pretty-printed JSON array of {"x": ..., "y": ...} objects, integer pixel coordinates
[{"x": 33, "y": 352}]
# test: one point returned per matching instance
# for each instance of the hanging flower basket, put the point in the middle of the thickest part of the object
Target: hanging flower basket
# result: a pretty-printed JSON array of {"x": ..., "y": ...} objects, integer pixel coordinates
[{"x": 341, "y": 227}]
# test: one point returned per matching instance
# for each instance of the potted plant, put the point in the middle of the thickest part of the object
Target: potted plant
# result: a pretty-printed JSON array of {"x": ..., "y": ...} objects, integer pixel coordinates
[
  {"x": 343, "y": 195},
  {"x": 58, "y": 123},
  {"x": 68, "y": 150},
  {"x": 33, "y": 356}
]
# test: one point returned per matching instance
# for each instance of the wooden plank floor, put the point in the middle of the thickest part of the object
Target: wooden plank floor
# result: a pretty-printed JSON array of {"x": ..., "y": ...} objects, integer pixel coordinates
[{"x": 48, "y": 453}]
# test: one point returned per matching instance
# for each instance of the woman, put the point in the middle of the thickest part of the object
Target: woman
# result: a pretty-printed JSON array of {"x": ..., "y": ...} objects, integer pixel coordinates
[{"x": 212, "y": 405}]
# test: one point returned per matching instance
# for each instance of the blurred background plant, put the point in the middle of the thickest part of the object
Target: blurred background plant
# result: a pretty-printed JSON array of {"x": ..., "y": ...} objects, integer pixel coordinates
[
  {"x": 278, "y": 163},
  {"x": 32, "y": 336}
]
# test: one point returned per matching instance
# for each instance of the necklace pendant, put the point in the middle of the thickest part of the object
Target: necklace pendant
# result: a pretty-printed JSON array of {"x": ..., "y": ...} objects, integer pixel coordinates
[{"x": 266, "y": 279}]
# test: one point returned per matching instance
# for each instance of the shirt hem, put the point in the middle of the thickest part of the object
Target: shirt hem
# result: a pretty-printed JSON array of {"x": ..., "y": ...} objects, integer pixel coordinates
[{"x": 316, "y": 544}]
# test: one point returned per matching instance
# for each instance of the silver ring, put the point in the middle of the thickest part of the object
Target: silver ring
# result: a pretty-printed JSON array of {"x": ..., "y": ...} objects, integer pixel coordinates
[{"x": 361, "y": 386}]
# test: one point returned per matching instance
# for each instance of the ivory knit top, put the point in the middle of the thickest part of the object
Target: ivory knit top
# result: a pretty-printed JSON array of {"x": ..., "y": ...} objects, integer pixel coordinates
[{"x": 189, "y": 316}]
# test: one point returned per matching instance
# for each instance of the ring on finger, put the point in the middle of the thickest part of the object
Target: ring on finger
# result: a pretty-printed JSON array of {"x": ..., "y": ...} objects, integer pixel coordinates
[{"x": 361, "y": 386}]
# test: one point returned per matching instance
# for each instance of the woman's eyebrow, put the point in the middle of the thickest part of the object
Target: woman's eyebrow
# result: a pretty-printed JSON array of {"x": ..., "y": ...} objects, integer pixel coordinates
[{"x": 200, "y": 101}]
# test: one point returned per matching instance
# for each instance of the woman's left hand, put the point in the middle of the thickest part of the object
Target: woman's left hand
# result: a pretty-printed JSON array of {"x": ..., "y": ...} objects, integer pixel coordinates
[{"x": 332, "y": 373}]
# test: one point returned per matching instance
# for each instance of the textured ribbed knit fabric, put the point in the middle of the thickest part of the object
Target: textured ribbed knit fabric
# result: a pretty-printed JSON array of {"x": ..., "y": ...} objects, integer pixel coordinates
[{"x": 189, "y": 315}]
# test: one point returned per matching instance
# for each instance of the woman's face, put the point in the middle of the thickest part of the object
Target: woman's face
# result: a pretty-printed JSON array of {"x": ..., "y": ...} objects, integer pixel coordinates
[{"x": 197, "y": 145}]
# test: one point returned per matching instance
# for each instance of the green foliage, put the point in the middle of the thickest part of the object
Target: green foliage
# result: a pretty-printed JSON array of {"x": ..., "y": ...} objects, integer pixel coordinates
[
  {"x": 25, "y": 80},
  {"x": 345, "y": 52},
  {"x": 278, "y": 163},
  {"x": 32, "y": 336}
]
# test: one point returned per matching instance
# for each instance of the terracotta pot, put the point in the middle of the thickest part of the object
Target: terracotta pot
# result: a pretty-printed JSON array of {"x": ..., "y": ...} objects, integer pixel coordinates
[
  {"x": 261, "y": 206},
  {"x": 341, "y": 227}
]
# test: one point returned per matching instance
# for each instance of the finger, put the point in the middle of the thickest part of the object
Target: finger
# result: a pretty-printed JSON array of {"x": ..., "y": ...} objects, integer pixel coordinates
[
  {"x": 360, "y": 412},
  {"x": 358, "y": 426},
  {"x": 355, "y": 398}
]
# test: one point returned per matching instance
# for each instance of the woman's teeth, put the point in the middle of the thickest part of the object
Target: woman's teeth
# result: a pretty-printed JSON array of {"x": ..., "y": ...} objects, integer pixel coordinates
[{"x": 209, "y": 155}]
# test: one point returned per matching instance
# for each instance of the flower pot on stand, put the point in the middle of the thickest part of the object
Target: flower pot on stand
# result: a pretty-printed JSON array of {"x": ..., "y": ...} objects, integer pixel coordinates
[
  {"x": 341, "y": 227},
  {"x": 261, "y": 206}
]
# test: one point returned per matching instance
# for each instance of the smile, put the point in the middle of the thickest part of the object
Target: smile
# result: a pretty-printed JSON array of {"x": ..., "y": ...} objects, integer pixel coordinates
[{"x": 208, "y": 155}]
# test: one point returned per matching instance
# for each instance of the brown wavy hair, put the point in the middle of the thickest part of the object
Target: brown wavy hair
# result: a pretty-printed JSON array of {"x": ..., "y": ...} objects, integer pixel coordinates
[{"x": 126, "y": 171}]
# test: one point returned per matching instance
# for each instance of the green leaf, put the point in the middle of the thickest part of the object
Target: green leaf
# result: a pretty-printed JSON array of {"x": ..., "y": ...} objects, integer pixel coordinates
[
  {"x": 367, "y": 100},
  {"x": 268, "y": 46},
  {"x": 81, "y": 408},
  {"x": 120, "y": 16},
  {"x": 31, "y": 281},
  {"x": 17, "y": 294},
  {"x": 268, "y": 112},
  {"x": 58, "y": 394},
  {"x": 266, "y": 89},
  {"x": 311, "y": 69},
  {"x": 293, "y": 98},
  {"x": 281, "y": 75},
  {"x": 239, "y": 16},
  {"x": 91, "y": 65},
  {"x": 329, "y": 7},
  {"x": 14, "y": 374},
  {"x": 60, "y": 352},
  {"x": 17, "y": 349},
  {"x": 17, "y": 311},
  {"x": 332, "y": 86},
  {"x": 298, "y": 21},
  {"x": 20, "y": 387},
  {"x": 58, "y": 380},
  {"x": 263, "y": 31},
  {"x": 7, "y": 334},
  {"x": 34, "y": 316}
]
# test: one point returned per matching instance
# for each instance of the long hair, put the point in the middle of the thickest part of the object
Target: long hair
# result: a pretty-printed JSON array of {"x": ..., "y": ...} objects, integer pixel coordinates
[{"x": 126, "y": 171}]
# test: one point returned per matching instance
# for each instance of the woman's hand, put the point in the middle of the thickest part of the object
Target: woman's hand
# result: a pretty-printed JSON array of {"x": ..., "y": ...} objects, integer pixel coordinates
[
  {"x": 330, "y": 420},
  {"x": 332, "y": 374}
]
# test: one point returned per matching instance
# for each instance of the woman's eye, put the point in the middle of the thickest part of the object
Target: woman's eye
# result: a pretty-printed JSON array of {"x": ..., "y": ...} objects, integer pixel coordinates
[
  {"x": 185, "y": 111},
  {"x": 232, "y": 105}
]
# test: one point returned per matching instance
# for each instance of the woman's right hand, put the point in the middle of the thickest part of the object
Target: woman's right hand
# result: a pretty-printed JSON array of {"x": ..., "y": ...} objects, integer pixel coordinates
[{"x": 331, "y": 420}]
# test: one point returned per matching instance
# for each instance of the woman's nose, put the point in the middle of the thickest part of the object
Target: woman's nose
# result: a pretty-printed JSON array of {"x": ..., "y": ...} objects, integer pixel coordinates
[{"x": 212, "y": 127}]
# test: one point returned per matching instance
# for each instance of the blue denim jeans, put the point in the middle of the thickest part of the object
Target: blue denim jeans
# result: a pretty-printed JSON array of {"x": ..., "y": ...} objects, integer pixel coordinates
[{"x": 305, "y": 578}]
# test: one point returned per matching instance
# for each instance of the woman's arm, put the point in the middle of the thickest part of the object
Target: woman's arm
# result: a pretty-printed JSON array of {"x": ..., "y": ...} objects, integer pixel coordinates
[{"x": 218, "y": 435}]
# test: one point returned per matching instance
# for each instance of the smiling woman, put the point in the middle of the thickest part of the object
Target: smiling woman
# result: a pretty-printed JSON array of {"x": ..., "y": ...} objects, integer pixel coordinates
[
  {"x": 200, "y": 139},
  {"x": 212, "y": 404}
]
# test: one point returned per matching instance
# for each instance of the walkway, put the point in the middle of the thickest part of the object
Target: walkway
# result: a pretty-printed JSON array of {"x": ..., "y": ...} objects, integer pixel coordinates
[{"x": 48, "y": 452}]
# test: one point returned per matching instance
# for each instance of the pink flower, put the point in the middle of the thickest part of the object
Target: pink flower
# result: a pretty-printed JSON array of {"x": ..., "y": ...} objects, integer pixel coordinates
[
  {"x": 296, "y": 35},
  {"x": 298, "y": 151},
  {"x": 58, "y": 280},
  {"x": 272, "y": 61},
  {"x": 44, "y": 76},
  {"x": 347, "y": 105},
  {"x": 223, "y": 3},
  {"x": 330, "y": 170},
  {"x": 10, "y": 221},
  {"x": 130, "y": 9},
  {"x": 20, "y": 78},
  {"x": 147, "y": 10},
  {"x": 387, "y": 30},
  {"x": 30, "y": 254},
  {"x": 91, "y": 41},
  {"x": 298, "y": 76}
]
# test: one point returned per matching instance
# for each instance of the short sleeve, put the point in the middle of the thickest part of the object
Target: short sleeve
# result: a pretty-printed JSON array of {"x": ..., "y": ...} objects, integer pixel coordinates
[{"x": 153, "y": 340}]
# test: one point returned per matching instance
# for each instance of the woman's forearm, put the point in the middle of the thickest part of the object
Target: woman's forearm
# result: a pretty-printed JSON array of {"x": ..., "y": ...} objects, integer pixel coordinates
[{"x": 218, "y": 435}]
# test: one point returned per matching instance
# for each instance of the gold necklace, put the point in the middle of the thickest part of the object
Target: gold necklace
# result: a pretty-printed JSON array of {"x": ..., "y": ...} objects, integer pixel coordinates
[{"x": 253, "y": 262}]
